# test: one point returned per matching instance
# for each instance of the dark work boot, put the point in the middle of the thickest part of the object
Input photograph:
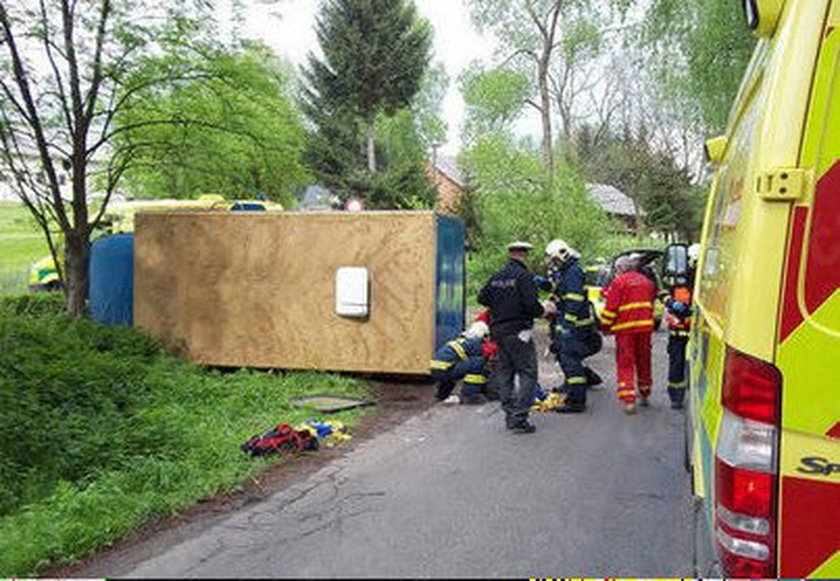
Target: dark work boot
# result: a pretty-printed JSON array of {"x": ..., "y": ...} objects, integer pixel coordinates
[
  {"x": 524, "y": 427},
  {"x": 571, "y": 408},
  {"x": 592, "y": 377}
]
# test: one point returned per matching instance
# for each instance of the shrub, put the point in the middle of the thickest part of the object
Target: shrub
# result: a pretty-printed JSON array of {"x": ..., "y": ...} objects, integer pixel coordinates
[
  {"x": 37, "y": 304},
  {"x": 100, "y": 430}
]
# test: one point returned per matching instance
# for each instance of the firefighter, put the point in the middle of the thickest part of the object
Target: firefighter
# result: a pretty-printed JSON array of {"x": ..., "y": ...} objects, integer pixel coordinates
[
  {"x": 462, "y": 358},
  {"x": 511, "y": 296},
  {"x": 490, "y": 349},
  {"x": 577, "y": 337},
  {"x": 678, "y": 314},
  {"x": 629, "y": 315}
]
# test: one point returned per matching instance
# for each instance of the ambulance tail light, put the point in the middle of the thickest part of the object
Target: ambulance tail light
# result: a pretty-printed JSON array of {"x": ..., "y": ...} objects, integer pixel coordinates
[{"x": 746, "y": 467}]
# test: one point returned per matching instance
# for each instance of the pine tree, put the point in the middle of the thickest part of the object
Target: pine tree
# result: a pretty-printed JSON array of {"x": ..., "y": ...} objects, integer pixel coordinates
[{"x": 375, "y": 55}]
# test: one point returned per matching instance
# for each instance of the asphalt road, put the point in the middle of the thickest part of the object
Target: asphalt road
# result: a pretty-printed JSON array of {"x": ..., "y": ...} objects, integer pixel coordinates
[{"x": 451, "y": 493}]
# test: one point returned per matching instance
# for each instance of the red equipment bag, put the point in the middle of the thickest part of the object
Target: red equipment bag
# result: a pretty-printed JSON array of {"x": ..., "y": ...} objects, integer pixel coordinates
[{"x": 281, "y": 438}]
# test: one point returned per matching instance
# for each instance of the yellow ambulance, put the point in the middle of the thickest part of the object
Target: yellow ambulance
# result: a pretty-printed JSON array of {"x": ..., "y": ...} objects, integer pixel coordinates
[{"x": 764, "y": 421}]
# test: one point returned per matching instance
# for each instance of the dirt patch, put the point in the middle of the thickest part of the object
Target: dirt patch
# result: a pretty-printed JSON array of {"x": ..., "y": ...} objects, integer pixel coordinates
[{"x": 396, "y": 402}]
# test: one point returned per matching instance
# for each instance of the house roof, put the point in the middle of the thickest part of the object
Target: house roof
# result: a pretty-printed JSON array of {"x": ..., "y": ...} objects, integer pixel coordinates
[
  {"x": 612, "y": 200},
  {"x": 448, "y": 166}
]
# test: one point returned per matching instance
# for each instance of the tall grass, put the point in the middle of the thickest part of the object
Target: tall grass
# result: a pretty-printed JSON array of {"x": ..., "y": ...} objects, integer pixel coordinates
[{"x": 100, "y": 430}]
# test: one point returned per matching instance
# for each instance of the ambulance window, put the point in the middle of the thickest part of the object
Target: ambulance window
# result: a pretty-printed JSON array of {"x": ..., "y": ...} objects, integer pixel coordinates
[{"x": 712, "y": 262}]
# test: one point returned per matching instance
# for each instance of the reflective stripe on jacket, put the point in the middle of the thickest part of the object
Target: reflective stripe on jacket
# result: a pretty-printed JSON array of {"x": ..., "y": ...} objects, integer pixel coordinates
[
  {"x": 629, "y": 307},
  {"x": 568, "y": 293},
  {"x": 456, "y": 350}
]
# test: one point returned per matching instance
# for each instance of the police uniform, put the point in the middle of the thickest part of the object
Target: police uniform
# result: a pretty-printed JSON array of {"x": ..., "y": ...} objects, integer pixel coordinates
[
  {"x": 458, "y": 359},
  {"x": 578, "y": 336},
  {"x": 511, "y": 296}
]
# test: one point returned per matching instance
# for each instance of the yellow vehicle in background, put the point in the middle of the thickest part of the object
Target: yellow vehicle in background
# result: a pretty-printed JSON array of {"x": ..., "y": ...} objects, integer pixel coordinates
[
  {"x": 119, "y": 218},
  {"x": 764, "y": 429}
]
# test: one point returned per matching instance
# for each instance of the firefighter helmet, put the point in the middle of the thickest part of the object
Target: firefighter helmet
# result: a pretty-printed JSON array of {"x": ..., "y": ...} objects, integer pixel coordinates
[
  {"x": 560, "y": 250},
  {"x": 477, "y": 330}
]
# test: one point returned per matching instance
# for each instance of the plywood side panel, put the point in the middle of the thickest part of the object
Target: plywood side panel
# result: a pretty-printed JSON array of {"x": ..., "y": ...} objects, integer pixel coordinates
[{"x": 243, "y": 289}]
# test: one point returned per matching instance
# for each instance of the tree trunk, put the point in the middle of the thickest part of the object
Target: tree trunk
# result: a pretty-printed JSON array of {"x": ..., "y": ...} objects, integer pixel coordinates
[
  {"x": 545, "y": 117},
  {"x": 77, "y": 253},
  {"x": 371, "y": 145}
]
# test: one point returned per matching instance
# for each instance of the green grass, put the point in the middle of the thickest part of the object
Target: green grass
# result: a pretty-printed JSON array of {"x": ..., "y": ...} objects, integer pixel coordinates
[
  {"x": 21, "y": 244},
  {"x": 101, "y": 431}
]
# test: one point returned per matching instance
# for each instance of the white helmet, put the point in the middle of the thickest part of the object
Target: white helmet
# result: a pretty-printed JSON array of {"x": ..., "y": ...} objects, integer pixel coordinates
[
  {"x": 478, "y": 330},
  {"x": 694, "y": 252},
  {"x": 560, "y": 251}
]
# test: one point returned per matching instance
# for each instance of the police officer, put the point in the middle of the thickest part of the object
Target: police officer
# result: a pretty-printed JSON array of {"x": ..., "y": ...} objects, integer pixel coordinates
[
  {"x": 511, "y": 296},
  {"x": 577, "y": 337}
]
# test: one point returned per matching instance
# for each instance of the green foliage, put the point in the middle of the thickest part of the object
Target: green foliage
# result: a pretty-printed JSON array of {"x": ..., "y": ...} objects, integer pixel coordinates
[
  {"x": 699, "y": 51},
  {"x": 662, "y": 190},
  {"x": 21, "y": 244},
  {"x": 373, "y": 102},
  {"x": 494, "y": 100},
  {"x": 236, "y": 130},
  {"x": 34, "y": 305},
  {"x": 99, "y": 431},
  {"x": 375, "y": 55},
  {"x": 74, "y": 65},
  {"x": 515, "y": 202}
]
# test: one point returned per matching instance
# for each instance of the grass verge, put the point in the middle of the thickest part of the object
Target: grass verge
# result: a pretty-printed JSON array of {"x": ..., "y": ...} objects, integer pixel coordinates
[
  {"x": 21, "y": 244},
  {"x": 100, "y": 431}
]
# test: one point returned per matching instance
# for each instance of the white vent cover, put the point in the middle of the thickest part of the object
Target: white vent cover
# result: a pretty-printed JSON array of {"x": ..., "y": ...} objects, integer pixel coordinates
[{"x": 352, "y": 298}]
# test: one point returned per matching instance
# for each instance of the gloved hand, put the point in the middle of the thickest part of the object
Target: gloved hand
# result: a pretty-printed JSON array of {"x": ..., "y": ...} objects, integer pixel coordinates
[
  {"x": 549, "y": 309},
  {"x": 679, "y": 309},
  {"x": 542, "y": 282}
]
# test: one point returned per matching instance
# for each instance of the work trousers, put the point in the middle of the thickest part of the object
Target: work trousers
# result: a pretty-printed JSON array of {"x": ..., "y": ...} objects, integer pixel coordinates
[
  {"x": 516, "y": 357},
  {"x": 634, "y": 367},
  {"x": 677, "y": 380},
  {"x": 575, "y": 345},
  {"x": 471, "y": 370}
]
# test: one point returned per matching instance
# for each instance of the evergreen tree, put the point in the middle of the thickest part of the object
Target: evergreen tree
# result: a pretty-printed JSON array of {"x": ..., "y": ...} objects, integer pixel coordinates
[{"x": 375, "y": 53}]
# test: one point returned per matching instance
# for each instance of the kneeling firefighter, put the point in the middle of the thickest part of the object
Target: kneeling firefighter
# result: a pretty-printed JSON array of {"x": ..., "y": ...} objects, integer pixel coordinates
[
  {"x": 462, "y": 358},
  {"x": 577, "y": 336}
]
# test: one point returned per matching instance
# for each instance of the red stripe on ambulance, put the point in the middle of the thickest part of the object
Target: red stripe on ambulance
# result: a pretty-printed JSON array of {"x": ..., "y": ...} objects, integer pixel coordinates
[
  {"x": 822, "y": 274},
  {"x": 810, "y": 535}
]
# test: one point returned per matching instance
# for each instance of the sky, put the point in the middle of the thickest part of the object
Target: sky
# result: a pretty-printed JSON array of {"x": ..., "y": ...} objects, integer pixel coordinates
[{"x": 288, "y": 27}]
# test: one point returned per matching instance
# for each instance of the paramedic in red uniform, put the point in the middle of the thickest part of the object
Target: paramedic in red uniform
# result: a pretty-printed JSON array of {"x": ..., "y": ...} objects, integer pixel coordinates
[{"x": 629, "y": 315}]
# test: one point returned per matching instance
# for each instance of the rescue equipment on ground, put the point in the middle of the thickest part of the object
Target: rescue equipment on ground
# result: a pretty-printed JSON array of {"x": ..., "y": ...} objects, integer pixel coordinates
[
  {"x": 551, "y": 402},
  {"x": 305, "y": 437},
  {"x": 281, "y": 438},
  {"x": 330, "y": 432}
]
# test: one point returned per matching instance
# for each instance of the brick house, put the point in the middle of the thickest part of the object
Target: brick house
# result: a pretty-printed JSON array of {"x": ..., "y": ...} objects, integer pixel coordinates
[{"x": 449, "y": 182}]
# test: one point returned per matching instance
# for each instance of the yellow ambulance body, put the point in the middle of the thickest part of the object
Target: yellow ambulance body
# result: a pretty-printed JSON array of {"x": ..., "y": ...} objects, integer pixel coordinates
[{"x": 764, "y": 406}]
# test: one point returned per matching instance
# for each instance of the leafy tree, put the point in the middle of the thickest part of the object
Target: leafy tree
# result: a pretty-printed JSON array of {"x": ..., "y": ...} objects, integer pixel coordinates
[
  {"x": 699, "y": 51},
  {"x": 375, "y": 55},
  {"x": 494, "y": 99},
  {"x": 250, "y": 136},
  {"x": 67, "y": 70},
  {"x": 528, "y": 33},
  {"x": 512, "y": 198},
  {"x": 663, "y": 192}
]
